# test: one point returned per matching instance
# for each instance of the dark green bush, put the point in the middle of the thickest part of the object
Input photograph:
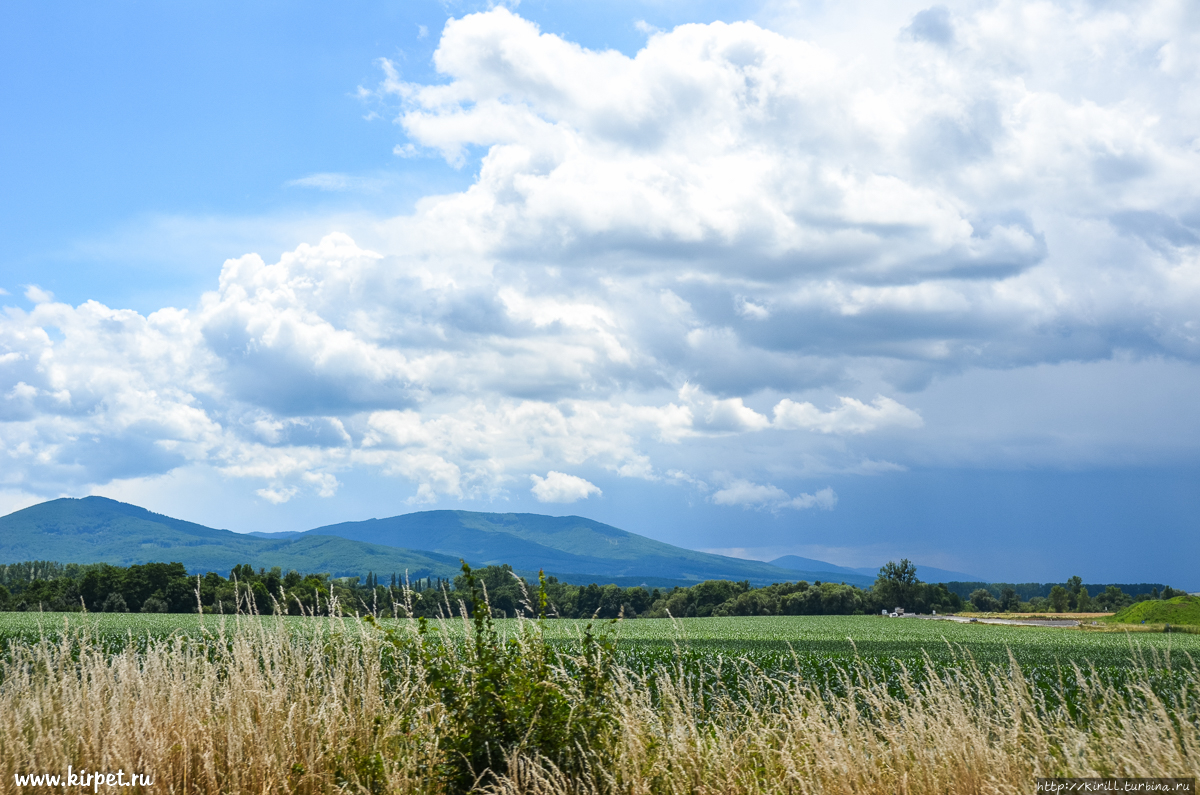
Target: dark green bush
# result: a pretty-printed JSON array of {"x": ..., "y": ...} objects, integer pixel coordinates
[{"x": 513, "y": 695}]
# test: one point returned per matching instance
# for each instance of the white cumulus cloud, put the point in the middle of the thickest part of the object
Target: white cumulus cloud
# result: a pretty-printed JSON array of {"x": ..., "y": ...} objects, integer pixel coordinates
[
  {"x": 852, "y": 416},
  {"x": 560, "y": 487},
  {"x": 667, "y": 263},
  {"x": 766, "y": 496}
]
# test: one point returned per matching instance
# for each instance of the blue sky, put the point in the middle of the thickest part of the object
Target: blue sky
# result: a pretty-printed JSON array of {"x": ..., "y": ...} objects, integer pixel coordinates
[{"x": 846, "y": 280}]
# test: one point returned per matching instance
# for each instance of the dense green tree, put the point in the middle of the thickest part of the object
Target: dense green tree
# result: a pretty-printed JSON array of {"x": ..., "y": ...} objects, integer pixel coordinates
[
  {"x": 897, "y": 584},
  {"x": 1060, "y": 598},
  {"x": 150, "y": 579},
  {"x": 155, "y": 604},
  {"x": 98, "y": 582},
  {"x": 273, "y": 581},
  {"x": 983, "y": 601},
  {"x": 1113, "y": 599},
  {"x": 1077, "y": 598}
]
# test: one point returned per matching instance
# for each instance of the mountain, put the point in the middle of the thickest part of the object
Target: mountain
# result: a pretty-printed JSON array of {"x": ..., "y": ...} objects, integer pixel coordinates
[
  {"x": 100, "y": 530},
  {"x": 930, "y": 574},
  {"x": 566, "y": 545},
  {"x": 426, "y": 543},
  {"x": 924, "y": 573},
  {"x": 797, "y": 563}
]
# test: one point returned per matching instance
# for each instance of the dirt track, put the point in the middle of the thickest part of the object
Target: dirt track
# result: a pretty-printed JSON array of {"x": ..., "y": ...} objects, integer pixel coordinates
[{"x": 1030, "y": 622}]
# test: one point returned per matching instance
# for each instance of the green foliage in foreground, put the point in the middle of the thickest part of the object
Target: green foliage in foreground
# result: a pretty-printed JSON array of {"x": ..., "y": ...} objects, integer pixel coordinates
[
  {"x": 476, "y": 696},
  {"x": 516, "y": 686},
  {"x": 1181, "y": 610},
  {"x": 503, "y": 693},
  {"x": 484, "y": 706}
]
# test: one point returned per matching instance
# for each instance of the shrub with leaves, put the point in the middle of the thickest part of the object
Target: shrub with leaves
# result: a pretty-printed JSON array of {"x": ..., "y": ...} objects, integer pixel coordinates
[{"x": 513, "y": 696}]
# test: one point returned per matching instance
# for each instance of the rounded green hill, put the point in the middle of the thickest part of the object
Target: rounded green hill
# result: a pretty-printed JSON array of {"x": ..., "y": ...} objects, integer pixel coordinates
[{"x": 1179, "y": 610}]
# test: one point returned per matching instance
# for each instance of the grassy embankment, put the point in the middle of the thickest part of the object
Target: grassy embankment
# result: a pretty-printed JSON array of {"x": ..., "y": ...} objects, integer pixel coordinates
[
  {"x": 317, "y": 705},
  {"x": 1180, "y": 611}
]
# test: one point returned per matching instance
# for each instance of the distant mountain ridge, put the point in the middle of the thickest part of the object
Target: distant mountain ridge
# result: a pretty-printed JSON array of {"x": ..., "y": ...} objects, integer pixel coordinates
[
  {"x": 421, "y": 544},
  {"x": 924, "y": 573},
  {"x": 100, "y": 530},
  {"x": 563, "y": 545}
]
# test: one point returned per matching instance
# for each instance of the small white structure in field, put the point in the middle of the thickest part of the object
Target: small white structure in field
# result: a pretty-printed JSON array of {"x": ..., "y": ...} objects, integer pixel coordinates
[
  {"x": 884, "y": 611},
  {"x": 899, "y": 611},
  {"x": 935, "y": 612}
]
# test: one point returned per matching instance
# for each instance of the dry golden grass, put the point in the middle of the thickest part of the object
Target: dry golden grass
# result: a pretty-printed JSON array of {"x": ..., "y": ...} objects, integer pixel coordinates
[
  {"x": 255, "y": 710},
  {"x": 250, "y": 711},
  {"x": 965, "y": 732}
]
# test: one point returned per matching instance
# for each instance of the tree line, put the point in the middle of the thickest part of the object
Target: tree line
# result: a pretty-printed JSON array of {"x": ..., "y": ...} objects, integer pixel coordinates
[
  {"x": 507, "y": 595},
  {"x": 162, "y": 588},
  {"x": 1071, "y": 597},
  {"x": 169, "y": 588}
]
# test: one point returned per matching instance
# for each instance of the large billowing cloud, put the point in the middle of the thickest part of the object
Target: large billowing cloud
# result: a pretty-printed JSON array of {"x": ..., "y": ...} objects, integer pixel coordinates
[{"x": 732, "y": 235}]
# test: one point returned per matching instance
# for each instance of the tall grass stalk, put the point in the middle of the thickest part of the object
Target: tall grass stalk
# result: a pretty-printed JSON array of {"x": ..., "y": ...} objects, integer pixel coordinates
[{"x": 252, "y": 706}]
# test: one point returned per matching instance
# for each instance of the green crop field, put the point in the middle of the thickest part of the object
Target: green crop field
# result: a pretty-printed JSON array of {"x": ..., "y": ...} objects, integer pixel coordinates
[
  {"x": 768, "y": 641},
  {"x": 869, "y": 636}
]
